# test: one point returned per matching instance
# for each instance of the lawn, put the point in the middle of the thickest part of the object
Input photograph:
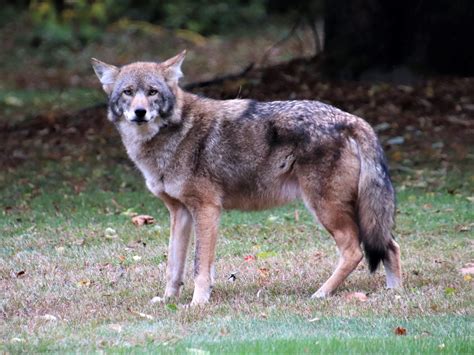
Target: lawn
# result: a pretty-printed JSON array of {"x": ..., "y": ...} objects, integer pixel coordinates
[{"x": 77, "y": 275}]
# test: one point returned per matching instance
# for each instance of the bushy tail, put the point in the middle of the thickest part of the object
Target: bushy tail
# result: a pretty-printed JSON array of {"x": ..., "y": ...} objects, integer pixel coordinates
[{"x": 375, "y": 203}]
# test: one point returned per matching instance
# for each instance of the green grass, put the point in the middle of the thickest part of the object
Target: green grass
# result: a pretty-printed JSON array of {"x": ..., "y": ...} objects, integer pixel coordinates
[
  {"x": 281, "y": 334},
  {"x": 56, "y": 259}
]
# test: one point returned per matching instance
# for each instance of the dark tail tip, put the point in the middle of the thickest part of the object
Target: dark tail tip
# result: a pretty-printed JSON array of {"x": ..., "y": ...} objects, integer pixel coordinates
[{"x": 376, "y": 255}]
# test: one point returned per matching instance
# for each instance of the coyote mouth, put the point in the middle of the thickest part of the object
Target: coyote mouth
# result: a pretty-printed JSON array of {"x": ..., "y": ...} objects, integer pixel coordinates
[{"x": 139, "y": 121}]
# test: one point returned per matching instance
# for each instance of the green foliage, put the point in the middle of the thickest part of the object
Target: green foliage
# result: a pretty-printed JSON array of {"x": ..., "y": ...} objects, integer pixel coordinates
[
  {"x": 210, "y": 16},
  {"x": 78, "y": 22}
]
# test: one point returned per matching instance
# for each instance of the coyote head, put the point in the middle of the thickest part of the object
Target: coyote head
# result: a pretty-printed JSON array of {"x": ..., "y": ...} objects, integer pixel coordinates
[{"x": 143, "y": 92}]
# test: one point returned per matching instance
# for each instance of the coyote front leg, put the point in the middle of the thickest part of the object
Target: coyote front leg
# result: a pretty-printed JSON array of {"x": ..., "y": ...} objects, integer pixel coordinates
[
  {"x": 180, "y": 231},
  {"x": 206, "y": 221}
]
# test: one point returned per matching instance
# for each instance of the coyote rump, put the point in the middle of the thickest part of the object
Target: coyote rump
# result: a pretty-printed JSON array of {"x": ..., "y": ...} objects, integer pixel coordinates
[{"x": 201, "y": 156}]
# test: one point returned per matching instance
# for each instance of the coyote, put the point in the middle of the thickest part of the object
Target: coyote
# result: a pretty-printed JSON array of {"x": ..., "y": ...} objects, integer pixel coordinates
[{"x": 202, "y": 156}]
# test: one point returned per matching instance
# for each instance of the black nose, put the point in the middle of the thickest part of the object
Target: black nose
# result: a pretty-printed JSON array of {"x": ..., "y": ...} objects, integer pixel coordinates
[{"x": 140, "y": 112}]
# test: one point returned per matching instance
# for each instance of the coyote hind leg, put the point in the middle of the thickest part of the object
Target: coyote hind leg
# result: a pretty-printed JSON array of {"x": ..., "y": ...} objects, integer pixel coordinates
[
  {"x": 341, "y": 225},
  {"x": 392, "y": 265},
  {"x": 329, "y": 188}
]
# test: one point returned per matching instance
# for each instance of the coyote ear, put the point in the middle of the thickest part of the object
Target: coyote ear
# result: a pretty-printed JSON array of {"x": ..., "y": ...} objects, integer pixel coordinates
[
  {"x": 172, "y": 67},
  {"x": 106, "y": 73}
]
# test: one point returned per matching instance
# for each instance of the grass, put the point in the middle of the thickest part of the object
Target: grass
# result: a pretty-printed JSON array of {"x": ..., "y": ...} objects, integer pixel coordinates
[{"x": 69, "y": 284}]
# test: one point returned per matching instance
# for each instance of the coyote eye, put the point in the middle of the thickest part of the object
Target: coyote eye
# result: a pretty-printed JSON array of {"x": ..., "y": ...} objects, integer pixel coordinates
[
  {"x": 152, "y": 92},
  {"x": 128, "y": 92}
]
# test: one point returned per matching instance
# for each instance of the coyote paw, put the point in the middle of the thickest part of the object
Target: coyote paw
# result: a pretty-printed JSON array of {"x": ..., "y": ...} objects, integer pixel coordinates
[
  {"x": 201, "y": 297},
  {"x": 172, "y": 291},
  {"x": 320, "y": 294}
]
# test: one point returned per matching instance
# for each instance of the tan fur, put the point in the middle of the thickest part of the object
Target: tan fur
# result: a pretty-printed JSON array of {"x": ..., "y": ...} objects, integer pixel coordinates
[{"x": 201, "y": 156}]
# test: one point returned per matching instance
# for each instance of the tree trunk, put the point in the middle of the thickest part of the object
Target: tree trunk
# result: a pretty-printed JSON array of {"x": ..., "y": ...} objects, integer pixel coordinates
[{"x": 367, "y": 36}]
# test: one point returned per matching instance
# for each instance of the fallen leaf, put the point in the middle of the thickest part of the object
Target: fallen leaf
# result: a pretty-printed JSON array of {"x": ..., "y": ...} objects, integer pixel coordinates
[
  {"x": 400, "y": 331},
  {"x": 122, "y": 258},
  {"x": 467, "y": 277},
  {"x": 359, "y": 296},
  {"x": 249, "y": 258},
  {"x": 318, "y": 255},
  {"x": 83, "y": 283},
  {"x": 142, "y": 219}
]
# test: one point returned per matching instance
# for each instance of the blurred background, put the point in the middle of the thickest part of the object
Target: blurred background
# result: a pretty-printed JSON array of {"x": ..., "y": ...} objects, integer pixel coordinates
[{"x": 405, "y": 66}]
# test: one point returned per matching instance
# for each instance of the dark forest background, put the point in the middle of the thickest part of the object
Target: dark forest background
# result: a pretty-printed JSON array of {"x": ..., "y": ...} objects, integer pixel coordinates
[{"x": 360, "y": 38}]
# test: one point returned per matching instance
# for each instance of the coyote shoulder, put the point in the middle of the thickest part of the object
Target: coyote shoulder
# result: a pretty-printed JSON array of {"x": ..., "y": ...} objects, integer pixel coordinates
[{"x": 201, "y": 156}]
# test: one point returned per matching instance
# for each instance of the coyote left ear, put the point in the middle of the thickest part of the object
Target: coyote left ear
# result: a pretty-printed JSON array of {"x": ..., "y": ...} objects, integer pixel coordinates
[
  {"x": 172, "y": 67},
  {"x": 106, "y": 73}
]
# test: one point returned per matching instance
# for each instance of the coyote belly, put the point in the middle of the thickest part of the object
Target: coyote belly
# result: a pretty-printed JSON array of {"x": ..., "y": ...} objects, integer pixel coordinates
[{"x": 201, "y": 156}]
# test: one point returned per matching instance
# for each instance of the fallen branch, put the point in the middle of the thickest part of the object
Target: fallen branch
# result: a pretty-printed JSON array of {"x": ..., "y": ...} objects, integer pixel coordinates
[{"x": 220, "y": 79}]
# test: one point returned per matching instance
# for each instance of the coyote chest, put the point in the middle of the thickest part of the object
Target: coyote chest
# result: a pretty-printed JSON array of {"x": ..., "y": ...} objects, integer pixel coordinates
[{"x": 158, "y": 176}]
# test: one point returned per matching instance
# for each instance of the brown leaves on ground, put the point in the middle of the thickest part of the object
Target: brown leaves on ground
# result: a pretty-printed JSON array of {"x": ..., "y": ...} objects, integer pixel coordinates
[
  {"x": 142, "y": 219},
  {"x": 400, "y": 331},
  {"x": 83, "y": 283}
]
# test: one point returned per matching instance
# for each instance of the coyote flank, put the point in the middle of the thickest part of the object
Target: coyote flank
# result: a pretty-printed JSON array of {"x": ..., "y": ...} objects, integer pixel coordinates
[{"x": 201, "y": 156}]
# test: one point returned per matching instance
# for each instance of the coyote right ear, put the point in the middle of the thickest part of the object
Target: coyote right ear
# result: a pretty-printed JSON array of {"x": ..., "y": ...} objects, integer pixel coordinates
[
  {"x": 106, "y": 73},
  {"x": 172, "y": 67}
]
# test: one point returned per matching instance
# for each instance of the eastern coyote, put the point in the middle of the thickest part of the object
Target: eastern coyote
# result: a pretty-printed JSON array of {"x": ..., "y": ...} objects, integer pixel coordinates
[{"x": 201, "y": 156}]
